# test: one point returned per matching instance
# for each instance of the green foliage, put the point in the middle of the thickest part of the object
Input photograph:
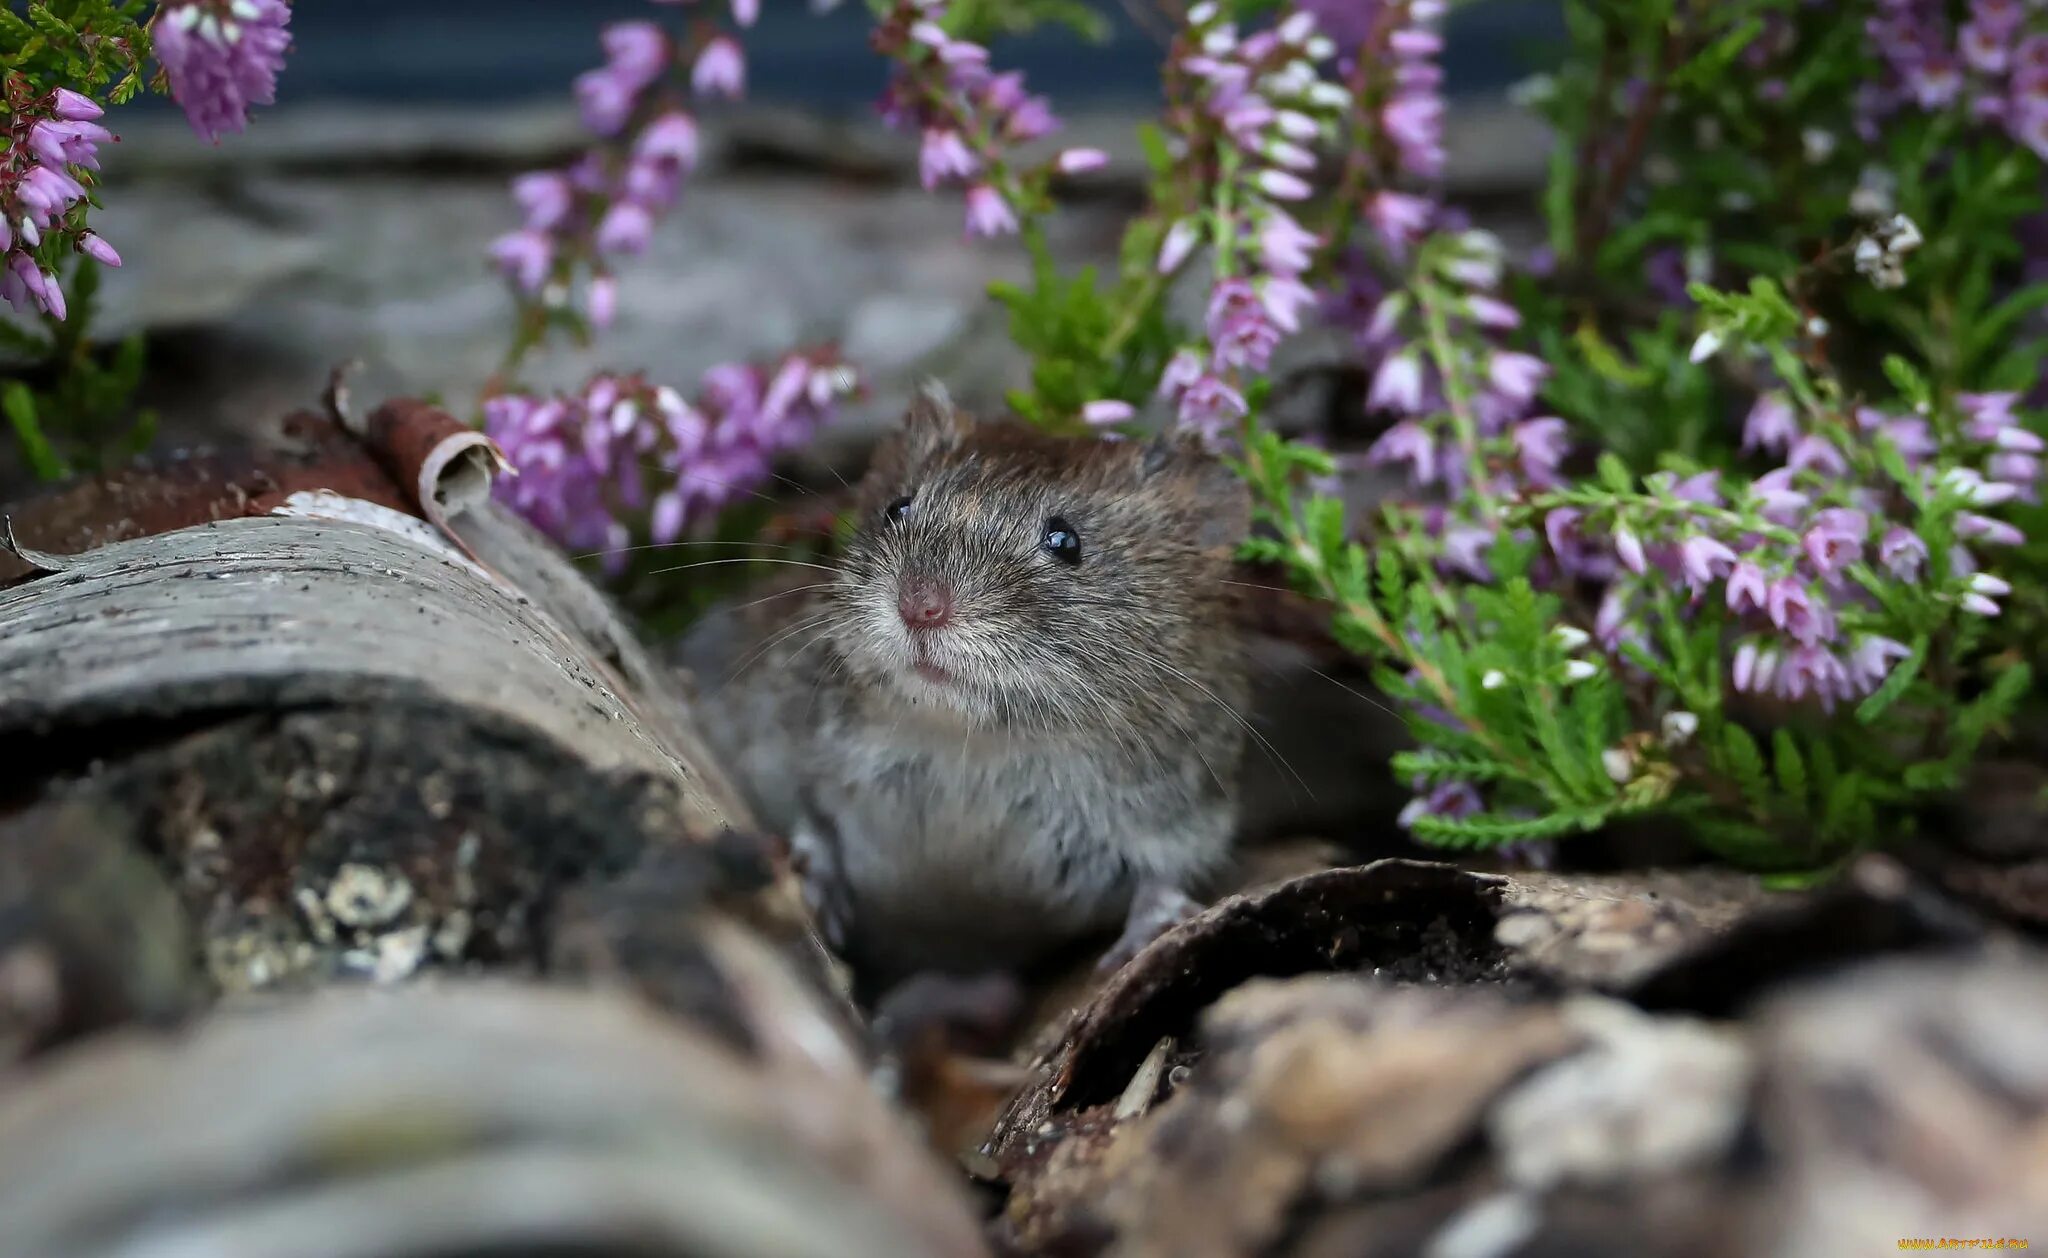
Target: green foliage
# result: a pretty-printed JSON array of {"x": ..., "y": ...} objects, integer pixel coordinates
[
  {"x": 96, "y": 47},
  {"x": 69, "y": 404},
  {"x": 1087, "y": 341},
  {"x": 83, "y": 416}
]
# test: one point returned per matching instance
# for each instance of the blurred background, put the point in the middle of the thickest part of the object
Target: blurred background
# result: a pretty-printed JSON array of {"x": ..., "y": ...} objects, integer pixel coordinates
[{"x": 352, "y": 219}]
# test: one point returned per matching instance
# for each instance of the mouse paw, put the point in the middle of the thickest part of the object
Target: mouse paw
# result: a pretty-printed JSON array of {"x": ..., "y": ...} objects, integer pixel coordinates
[
  {"x": 1155, "y": 909},
  {"x": 824, "y": 885}
]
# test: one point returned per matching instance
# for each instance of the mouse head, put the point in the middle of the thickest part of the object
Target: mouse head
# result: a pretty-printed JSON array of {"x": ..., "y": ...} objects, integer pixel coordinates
[{"x": 1024, "y": 581}]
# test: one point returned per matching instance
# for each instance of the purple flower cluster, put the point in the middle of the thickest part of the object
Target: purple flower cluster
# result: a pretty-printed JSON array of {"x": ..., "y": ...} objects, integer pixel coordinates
[
  {"x": 222, "y": 56},
  {"x": 1782, "y": 553},
  {"x": 622, "y": 446},
  {"x": 1266, "y": 105},
  {"x": 47, "y": 147},
  {"x": 968, "y": 116},
  {"x": 1994, "y": 65},
  {"x": 607, "y": 202},
  {"x": 1516, "y": 450}
]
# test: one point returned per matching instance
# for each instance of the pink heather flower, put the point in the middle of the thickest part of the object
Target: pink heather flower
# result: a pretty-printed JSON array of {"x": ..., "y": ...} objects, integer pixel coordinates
[
  {"x": 1032, "y": 119},
  {"x": 1516, "y": 376},
  {"x": 24, "y": 285},
  {"x": 637, "y": 52},
  {"x": 1080, "y": 161},
  {"x": 1397, "y": 385},
  {"x": 49, "y": 191},
  {"x": 545, "y": 196},
  {"x": 1748, "y": 588},
  {"x": 605, "y": 99},
  {"x": 943, "y": 156},
  {"x": 1811, "y": 670},
  {"x": 1872, "y": 659},
  {"x": 1988, "y": 412},
  {"x": 1464, "y": 550},
  {"x": 222, "y": 58},
  {"x": 604, "y": 300},
  {"x": 670, "y": 138},
  {"x": 1744, "y": 671},
  {"x": 1979, "y": 605},
  {"x": 1492, "y": 312},
  {"x": 2016, "y": 469},
  {"x": 1902, "y": 553},
  {"x": 1285, "y": 246},
  {"x": 525, "y": 257},
  {"x": 746, "y": 12},
  {"x": 1560, "y": 527},
  {"x": 95, "y": 247},
  {"x": 2019, "y": 439},
  {"x": 1239, "y": 326},
  {"x": 666, "y": 522},
  {"x": 1629, "y": 549},
  {"x": 59, "y": 143},
  {"x": 1984, "y": 529},
  {"x": 1816, "y": 452},
  {"x": 1181, "y": 373},
  {"x": 1408, "y": 442},
  {"x": 1399, "y": 218},
  {"x": 1772, "y": 424},
  {"x": 1703, "y": 559},
  {"x": 1283, "y": 185},
  {"x": 1611, "y": 619},
  {"x": 70, "y": 106},
  {"x": 1541, "y": 445},
  {"x": 1209, "y": 405},
  {"x": 625, "y": 228},
  {"x": 1180, "y": 242},
  {"x": 1793, "y": 609},
  {"x": 1284, "y": 298},
  {"x": 1835, "y": 540},
  {"x": 721, "y": 70},
  {"x": 988, "y": 214},
  {"x": 1107, "y": 411}
]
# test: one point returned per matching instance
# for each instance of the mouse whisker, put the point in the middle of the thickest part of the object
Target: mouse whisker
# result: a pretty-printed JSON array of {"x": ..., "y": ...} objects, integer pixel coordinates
[
  {"x": 628, "y": 550},
  {"x": 713, "y": 563},
  {"x": 1265, "y": 744},
  {"x": 761, "y": 652}
]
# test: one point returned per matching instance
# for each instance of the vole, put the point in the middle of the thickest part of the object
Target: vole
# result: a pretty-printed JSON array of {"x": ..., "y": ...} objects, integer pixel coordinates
[{"x": 1011, "y": 716}]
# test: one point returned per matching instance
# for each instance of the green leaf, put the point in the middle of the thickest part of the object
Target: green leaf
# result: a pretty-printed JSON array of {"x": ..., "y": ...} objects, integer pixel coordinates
[
  {"x": 1791, "y": 767},
  {"x": 1615, "y": 474},
  {"x": 1907, "y": 380},
  {"x": 1901, "y": 677},
  {"x": 20, "y": 407}
]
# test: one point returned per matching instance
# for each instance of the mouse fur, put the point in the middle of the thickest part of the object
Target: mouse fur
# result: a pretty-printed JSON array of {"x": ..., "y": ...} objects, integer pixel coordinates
[{"x": 1068, "y": 760}]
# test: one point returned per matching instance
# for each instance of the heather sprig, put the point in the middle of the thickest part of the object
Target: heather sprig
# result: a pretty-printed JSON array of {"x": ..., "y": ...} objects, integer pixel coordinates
[
  {"x": 581, "y": 221},
  {"x": 969, "y": 118},
  {"x": 62, "y": 64},
  {"x": 622, "y": 450}
]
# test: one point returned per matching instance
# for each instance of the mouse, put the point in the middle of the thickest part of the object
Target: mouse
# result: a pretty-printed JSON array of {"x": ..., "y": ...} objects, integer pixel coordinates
[{"x": 1010, "y": 714}]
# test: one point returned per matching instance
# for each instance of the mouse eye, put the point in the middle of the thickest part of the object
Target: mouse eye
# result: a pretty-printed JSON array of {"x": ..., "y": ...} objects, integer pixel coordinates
[
  {"x": 896, "y": 510},
  {"x": 1061, "y": 541}
]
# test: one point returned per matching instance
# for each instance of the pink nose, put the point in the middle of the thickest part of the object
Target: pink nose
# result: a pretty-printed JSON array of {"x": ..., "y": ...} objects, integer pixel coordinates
[{"x": 925, "y": 604}]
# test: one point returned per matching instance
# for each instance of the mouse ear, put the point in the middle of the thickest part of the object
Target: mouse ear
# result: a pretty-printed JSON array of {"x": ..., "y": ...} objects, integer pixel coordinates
[
  {"x": 932, "y": 423},
  {"x": 1215, "y": 498}
]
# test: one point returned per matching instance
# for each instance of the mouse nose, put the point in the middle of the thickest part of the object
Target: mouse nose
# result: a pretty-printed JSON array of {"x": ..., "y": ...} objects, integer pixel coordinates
[{"x": 924, "y": 603}]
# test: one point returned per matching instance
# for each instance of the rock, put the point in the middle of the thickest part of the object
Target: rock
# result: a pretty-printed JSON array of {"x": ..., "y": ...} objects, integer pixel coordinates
[
  {"x": 1606, "y": 930},
  {"x": 1907, "y": 1099},
  {"x": 91, "y": 934},
  {"x": 1644, "y": 1098}
]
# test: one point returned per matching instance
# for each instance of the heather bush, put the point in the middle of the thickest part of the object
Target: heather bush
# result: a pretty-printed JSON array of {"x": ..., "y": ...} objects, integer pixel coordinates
[{"x": 1721, "y": 505}]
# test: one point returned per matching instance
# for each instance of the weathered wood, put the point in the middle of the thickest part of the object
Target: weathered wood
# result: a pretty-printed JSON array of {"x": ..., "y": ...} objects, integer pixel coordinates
[
  {"x": 269, "y": 614},
  {"x": 465, "y": 1119}
]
